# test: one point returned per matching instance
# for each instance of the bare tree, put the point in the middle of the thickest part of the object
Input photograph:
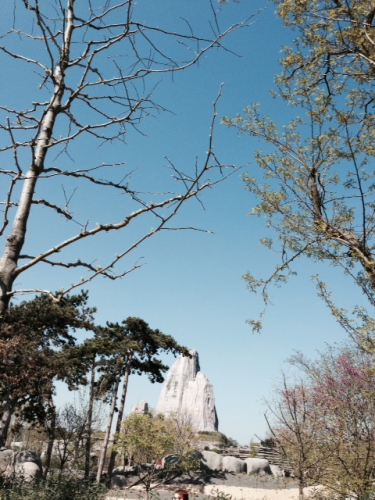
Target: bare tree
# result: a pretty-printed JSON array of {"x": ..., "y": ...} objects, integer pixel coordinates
[
  {"x": 93, "y": 69},
  {"x": 71, "y": 429},
  {"x": 294, "y": 428},
  {"x": 69, "y": 432},
  {"x": 94, "y": 413}
]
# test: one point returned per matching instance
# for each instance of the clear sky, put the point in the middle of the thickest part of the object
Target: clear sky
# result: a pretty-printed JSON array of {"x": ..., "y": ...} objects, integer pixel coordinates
[{"x": 190, "y": 285}]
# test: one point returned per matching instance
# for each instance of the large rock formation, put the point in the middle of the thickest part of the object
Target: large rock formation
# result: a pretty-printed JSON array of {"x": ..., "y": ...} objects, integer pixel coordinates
[
  {"x": 141, "y": 407},
  {"x": 189, "y": 394}
]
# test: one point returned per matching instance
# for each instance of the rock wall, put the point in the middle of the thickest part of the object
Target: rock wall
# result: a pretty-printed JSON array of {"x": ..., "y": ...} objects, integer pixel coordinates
[{"x": 189, "y": 394}]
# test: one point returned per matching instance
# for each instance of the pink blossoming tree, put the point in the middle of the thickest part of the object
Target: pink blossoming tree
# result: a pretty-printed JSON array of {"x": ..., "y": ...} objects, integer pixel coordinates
[{"x": 325, "y": 426}]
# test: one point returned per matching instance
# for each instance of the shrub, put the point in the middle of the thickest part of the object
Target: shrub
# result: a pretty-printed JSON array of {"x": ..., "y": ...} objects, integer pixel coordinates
[
  {"x": 65, "y": 489},
  {"x": 226, "y": 441},
  {"x": 254, "y": 448}
]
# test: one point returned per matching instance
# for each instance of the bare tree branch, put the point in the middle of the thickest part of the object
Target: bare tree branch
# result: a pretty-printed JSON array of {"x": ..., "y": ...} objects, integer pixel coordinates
[{"x": 95, "y": 77}]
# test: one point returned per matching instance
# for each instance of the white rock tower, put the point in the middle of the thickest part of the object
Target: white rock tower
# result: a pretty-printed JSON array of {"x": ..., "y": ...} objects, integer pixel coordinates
[{"x": 188, "y": 393}]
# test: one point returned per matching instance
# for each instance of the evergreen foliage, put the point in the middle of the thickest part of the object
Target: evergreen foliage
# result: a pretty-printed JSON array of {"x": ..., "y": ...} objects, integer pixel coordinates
[
  {"x": 37, "y": 347},
  {"x": 130, "y": 347}
]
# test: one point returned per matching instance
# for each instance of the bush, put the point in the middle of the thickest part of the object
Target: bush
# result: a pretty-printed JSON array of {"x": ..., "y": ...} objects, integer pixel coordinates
[
  {"x": 268, "y": 442},
  {"x": 226, "y": 441},
  {"x": 254, "y": 448},
  {"x": 65, "y": 489}
]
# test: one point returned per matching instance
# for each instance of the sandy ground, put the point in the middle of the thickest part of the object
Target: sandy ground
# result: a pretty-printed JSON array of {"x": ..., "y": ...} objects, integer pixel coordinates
[
  {"x": 231, "y": 486},
  {"x": 259, "y": 493},
  {"x": 234, "y": 491}
]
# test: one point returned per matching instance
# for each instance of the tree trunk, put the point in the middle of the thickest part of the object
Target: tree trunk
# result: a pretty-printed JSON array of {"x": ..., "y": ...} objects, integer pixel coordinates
[
  {"x": 120, "y": 412},
  {"x": 4, "y": 425},
  {"x": 89, "y": 422},
  {"x": 109, "y": 425},
  {"x": 51, "y": 440},
  {"x": 300, "y": 489},
  {"x": 15, "y": 240},
  {"x": 77, "y": 446}
]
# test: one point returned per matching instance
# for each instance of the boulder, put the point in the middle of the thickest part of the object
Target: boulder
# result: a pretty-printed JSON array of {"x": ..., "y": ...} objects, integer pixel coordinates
[
  {"x": 127, "y": 470},
  {"x": 29, "y": 471},
  {"x": 118, "y": 478},
  {"x": 28, "y": 465},
  {"x": 169, "y": 461},
  {"x": 131, "y": 469},
  {"x": 188, "y": 394},
  {"x": 233, "y": 464},
  {"x": 28, "y": 456},
  {"x": 211, "y": 460},
  {"x": 25, "y": 464},
  {"x": 257, "y": 466},
  {"x": 120, "y": 470},
  {"x": 6, "y": 460},
  {"x": 276, "y": 471}
]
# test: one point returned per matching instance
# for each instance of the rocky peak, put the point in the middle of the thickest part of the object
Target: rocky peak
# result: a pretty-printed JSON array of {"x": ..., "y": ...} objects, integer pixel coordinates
[
  {"x": 141, "y": 407},
  {"x": 189, "y": 394}
]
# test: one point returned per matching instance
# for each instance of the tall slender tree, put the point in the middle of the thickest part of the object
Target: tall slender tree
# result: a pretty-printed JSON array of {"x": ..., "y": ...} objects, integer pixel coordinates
[{"x": 132, "y": 347}]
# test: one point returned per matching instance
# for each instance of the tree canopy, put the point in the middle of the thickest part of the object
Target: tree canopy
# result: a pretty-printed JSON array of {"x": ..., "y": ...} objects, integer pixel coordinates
[
  {"x": 315, "y": 188},
  {"x": 37, "y": 347},
  {"x": 146, "y": 439}
]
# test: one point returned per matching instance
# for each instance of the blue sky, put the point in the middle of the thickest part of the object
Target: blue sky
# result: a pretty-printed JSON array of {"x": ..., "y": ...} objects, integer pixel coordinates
[{"x": 190, "y": 285}]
